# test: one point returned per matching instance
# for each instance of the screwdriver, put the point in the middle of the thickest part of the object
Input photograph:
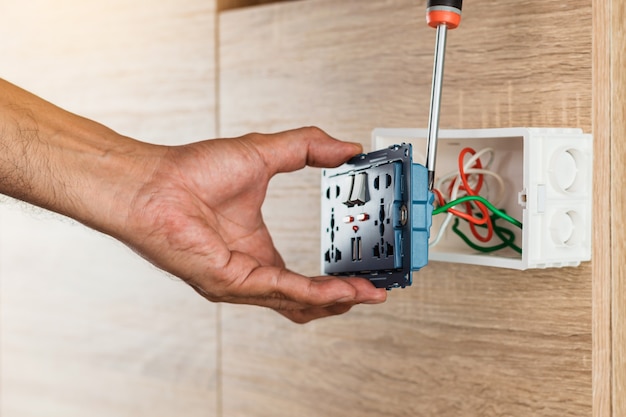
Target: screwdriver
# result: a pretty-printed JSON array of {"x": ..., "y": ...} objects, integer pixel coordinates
[{"x": 442, "y": 15}]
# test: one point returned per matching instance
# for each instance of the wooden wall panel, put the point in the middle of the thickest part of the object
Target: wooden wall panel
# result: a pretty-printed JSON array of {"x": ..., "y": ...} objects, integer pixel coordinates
[
  {"x": 463, "y": 340},
  {"x": 602, "y": 247},
  {"x": 86, "y": 327},
  {"x": 609, "y": 316},
  {"x": 618, "y": 205}
]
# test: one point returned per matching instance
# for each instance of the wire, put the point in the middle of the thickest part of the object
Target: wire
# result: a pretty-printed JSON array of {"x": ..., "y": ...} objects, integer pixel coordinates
[
  {"x": 442, "y": 229},
  {"x": 454, "y": 187},
  {"x": 469, "y": 179},
  {"x": 458, "y": 213},
  {"x": 506, "y": 235},
  {"x": 500, "y": 181},
  {"x": 474, "y": 191},
  {"x": 468, "y": 165},
  {"x": 499, "y": 213}
]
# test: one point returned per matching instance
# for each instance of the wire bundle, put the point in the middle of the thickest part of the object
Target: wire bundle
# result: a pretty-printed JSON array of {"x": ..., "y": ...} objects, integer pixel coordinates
[{"x": 463, "y": 188}]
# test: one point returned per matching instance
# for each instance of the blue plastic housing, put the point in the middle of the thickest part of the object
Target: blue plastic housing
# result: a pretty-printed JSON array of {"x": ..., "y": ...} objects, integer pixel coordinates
[{"x": 376, "y": 217}]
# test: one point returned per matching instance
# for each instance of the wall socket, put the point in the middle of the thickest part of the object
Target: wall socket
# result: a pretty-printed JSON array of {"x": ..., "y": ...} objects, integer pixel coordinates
[{"x": 376, "y": 217}]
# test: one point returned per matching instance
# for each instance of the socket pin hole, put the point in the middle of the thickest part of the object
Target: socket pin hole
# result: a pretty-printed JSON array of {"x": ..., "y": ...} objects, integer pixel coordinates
[{"x": 389, "y": 249}]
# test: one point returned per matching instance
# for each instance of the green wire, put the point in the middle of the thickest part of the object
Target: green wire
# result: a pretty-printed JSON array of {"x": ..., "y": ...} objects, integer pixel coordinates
[
  {"x": 491, "y": 207},
  {"x": 507, "y": 241},
  {"x": 506, "y": 235}
]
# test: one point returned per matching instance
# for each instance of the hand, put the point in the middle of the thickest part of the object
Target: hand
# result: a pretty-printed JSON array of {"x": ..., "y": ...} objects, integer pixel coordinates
[
  {"x": 198, "y": 216},
  {"x": 193, "y": 210}
]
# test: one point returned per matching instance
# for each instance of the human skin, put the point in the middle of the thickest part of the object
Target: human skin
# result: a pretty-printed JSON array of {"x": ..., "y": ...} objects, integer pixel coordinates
[{"x": 192, "y": 210}]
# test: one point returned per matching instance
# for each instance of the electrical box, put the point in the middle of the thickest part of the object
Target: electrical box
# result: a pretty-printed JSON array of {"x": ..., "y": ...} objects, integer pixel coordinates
[
  {"x": 376, "y": 217},
  {"x": 547, "y": 175}
]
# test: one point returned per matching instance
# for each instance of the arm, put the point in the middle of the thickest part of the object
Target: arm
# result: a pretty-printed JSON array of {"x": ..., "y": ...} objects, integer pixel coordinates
[{"x": 192, "y": 210}]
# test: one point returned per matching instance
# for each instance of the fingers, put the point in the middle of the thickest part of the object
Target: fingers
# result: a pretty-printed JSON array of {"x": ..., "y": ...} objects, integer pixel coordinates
[
  {"x": 298, "y": 297},
  {"x": 295, "y": 149},
  {"x": 284, "y": 286},
  {"x": 281, "y": 288}
]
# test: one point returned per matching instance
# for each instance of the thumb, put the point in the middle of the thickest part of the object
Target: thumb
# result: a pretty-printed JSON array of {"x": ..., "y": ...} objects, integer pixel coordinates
[{"x": 294, "y": 149}]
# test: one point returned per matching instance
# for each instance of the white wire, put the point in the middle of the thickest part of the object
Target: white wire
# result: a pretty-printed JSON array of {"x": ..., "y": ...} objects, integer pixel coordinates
[
  {"x": 467, "y": 166},
  {"x": 501, "y": 190},
  {"x": 457, "y": 184},
  {"x": 497, "y": 200},
  {"x": 442, "y": 229}
]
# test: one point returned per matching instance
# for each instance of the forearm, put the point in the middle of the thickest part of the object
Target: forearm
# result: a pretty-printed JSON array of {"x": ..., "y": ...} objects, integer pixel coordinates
[{"x": 65, "y": 163}]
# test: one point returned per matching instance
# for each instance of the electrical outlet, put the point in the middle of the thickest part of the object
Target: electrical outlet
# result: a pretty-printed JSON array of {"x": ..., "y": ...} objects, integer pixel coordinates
[
  {"x": 548, "y": 178},
  {"x": 376, "y": 216}
]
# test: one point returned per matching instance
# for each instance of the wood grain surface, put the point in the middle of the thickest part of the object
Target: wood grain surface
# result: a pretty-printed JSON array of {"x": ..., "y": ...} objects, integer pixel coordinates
[
  {"x": 602, "y": 240},
  {"x": 618, "y": 206},
  {"x": 463, "y": 341},
  {"x": 87, "y": 328}
]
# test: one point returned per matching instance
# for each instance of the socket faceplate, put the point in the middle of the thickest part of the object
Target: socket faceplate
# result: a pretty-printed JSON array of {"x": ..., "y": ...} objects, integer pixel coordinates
[{"x": 376, "y": 213}]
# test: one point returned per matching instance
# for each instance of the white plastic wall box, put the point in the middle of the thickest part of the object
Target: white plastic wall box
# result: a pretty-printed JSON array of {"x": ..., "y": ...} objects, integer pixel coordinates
[{"x": 548, "y": 177}]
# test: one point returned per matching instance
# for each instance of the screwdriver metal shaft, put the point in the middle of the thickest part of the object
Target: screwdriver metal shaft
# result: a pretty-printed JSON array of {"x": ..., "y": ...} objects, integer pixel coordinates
[{"x": 435, "y": 103}]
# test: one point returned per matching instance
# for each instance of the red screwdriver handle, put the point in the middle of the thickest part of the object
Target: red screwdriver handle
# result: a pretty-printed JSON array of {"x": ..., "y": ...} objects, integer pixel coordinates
[{"x": 444, "y": 12}]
